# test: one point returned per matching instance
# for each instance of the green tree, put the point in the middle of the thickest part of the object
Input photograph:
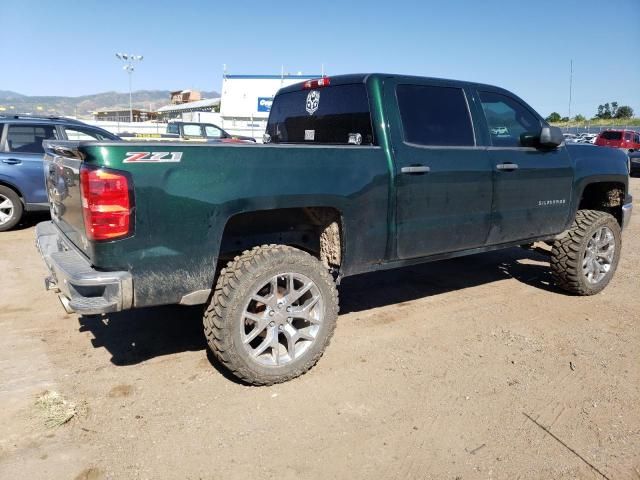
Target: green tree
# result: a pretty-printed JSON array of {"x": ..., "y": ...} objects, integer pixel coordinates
[
  {"x": 579, "y": 118},
  {"x": 554, "y": 117},
  {"x": 624, "y": 111},
  {"x": 564, "y": 119},
  {"x": 604, "y": 111}
]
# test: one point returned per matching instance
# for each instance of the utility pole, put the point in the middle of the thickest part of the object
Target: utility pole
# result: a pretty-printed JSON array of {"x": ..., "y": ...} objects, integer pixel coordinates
[
  {"x": 129, "y": 60},
  {"x": 570, "y": 86}
]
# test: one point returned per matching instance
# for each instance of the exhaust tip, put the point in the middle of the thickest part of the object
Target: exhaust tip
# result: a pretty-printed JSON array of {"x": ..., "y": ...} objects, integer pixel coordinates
[{"x": 65, "y": 303}]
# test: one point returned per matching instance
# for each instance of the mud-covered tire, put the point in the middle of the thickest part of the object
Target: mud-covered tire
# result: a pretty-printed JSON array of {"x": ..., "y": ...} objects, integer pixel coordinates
[
  {"x": 224, "y": 317},
  {"x": 569, "y": 250},
  {"x": 14, "y": 209}
]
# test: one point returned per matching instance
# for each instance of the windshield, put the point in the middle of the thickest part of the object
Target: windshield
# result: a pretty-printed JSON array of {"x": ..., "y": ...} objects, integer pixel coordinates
[{"x": 337, "y": 115}]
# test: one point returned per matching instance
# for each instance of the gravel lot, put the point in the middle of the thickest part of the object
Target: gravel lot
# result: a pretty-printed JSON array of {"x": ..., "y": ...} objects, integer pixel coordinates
[{"x": 448, "y": 370}]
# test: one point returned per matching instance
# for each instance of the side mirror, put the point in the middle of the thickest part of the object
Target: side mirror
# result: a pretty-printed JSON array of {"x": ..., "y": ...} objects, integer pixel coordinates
[{"x": 551, "y": 137}]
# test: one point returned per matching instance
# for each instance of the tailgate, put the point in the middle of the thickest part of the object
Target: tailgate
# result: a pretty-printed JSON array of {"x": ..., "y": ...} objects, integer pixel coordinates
[{"x": 62, "y": 161}]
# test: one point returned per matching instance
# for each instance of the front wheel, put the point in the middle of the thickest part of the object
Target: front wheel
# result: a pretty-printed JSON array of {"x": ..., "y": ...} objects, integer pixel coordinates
[
  {"x": 585, "y": 257},
  {"x": 272, "y": 314}
]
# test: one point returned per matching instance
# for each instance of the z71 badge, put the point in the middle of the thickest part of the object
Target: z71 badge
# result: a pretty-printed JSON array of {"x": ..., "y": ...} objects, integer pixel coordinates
[{"x": 153, "y": 157}]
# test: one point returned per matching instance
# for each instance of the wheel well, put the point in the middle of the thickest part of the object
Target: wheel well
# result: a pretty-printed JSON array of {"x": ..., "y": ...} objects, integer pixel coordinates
[
  {"x": 12, "y": 187},
  {"x": 317, "y": 230},
  {"x": 604, "y": 196}
]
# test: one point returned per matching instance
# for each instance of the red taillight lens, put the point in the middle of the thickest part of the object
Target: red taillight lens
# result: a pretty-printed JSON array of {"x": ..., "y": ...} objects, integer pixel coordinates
[
  {"x": 106, "y": 204},
  {"x": 319, "y": 82}
]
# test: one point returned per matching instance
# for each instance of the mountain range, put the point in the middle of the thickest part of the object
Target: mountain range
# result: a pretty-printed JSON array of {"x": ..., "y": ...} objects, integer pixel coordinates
[{"x": 85, "y": 105}]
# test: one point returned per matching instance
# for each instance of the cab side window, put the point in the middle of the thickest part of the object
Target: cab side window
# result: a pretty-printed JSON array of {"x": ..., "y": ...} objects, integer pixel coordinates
[
  {"x": 29, "y": 138},
  {"x": 74, "y": 133},
  {"x": 192, "y": 130},
  {"x": 507, "y": 119},
  {"x": 213, "y": 132},
  {"x": 435, "y": 116}
]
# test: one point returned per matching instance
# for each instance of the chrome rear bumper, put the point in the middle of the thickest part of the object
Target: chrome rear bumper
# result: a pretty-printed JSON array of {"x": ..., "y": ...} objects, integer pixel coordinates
[{"x": 83, "y": 289}]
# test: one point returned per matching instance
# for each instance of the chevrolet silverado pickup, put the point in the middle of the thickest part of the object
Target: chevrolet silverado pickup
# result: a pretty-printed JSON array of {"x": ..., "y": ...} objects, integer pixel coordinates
[{"x": 358, "y": 173}]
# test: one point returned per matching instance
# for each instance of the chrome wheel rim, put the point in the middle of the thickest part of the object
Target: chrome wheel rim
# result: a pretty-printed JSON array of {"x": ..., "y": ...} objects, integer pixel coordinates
[
  {"x": 6, "y": 209},
  {"x": 282, "y": 319},
  {"x": 599, "y": 254}
]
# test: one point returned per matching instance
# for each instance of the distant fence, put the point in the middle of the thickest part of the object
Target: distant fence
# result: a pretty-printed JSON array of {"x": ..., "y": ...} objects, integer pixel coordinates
[
  {"x": 586, "y": 128},
  {"x": 155, "y": 128},
  {"x": 129, "y": 127}
]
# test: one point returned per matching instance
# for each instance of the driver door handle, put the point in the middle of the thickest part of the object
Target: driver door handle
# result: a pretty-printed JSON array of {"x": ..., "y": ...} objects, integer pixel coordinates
[
  {"x": 507, "y": 167},
  {"x": 11, "y": 161},
  {"x": 413, "y": 169}
]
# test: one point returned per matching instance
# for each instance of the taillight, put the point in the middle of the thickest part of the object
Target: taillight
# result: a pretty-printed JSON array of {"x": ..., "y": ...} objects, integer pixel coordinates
[
  {"x": 106, "y": 204},
  {"x": 318, "y": 82}
]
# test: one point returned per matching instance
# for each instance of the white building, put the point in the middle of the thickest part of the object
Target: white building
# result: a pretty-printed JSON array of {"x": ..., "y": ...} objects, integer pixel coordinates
[{"x": 246, "y": 101}]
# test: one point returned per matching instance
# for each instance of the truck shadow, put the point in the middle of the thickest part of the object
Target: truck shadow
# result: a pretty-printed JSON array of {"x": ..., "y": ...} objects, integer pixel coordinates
[{"x": 138, "y": 335}]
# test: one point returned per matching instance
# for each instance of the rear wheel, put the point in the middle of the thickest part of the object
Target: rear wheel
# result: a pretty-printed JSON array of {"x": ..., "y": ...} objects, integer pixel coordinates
[
  {"x": 585, "y": 258},
  {"x": 272, "y": 314},
  {"x": 10, "y": 208}
]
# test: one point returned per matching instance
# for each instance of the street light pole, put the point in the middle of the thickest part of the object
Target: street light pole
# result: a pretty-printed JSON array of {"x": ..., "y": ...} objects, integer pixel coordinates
[{"x": 128, "y": 60}]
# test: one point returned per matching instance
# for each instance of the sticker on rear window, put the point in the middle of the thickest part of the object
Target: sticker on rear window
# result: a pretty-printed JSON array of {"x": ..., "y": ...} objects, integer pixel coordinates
[
  {"x": 313, "y": 101},
  {"x": 310, "y": 135}
]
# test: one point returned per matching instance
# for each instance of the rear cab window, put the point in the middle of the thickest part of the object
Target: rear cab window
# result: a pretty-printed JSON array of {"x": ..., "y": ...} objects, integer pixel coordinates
[
  {"x": 330, "y": 115},
  {"x": 29, "y": 138},
  {"x": 611, "y": 135}
]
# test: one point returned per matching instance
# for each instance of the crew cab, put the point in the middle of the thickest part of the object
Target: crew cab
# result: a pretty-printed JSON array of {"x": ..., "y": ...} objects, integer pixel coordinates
[
  {"x": 22, "y": 188},
  {"x": 358, "y": 173}
]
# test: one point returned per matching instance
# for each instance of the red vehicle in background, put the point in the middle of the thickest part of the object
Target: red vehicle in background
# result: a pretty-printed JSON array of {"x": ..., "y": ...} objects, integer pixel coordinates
[{"x": 626, "y": 139}]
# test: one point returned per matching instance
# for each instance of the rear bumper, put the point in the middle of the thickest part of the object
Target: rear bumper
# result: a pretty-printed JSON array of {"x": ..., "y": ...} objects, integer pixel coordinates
[{"x": 83, "y": 289}]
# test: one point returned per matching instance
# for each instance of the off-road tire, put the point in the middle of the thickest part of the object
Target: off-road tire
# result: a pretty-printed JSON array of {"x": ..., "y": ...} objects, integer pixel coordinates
[
  {"x": 568, "y": 251},
  {"x": 17, "y": 208},
  {"x": 236, "y": 282}
]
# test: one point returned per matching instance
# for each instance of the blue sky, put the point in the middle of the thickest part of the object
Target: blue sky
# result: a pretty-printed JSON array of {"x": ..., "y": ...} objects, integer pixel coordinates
[{"x": 66, "y": 47}]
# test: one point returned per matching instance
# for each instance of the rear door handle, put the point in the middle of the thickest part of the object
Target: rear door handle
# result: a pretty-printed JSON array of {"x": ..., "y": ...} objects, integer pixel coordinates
[
  {"x": 413, "y": 169},
  {"x": 11, "y": 161},
  {"x": 507, "y": 167}
]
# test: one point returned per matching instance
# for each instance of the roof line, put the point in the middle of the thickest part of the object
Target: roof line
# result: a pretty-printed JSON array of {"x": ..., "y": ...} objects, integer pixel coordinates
[{"x": 275, "y": 77}]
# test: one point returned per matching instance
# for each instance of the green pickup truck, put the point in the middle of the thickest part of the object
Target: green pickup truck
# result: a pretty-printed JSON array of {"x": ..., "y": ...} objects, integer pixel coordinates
[{"x": 357, "y": 173}]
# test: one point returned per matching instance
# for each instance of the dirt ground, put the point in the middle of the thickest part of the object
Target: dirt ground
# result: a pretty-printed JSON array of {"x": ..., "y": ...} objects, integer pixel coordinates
[{"x": 448, "y": 370}]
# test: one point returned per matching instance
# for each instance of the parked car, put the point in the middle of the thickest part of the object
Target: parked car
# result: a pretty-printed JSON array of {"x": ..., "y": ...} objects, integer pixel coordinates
[
  {"x": 570, "y": 137},
  {"x": 22, "y": 186},
  {"x": 588, "y": 138},
  {"x": 359, "y": 173},
  {"x": 191, "y": 131},
  {"x": 625, "y": 139}
]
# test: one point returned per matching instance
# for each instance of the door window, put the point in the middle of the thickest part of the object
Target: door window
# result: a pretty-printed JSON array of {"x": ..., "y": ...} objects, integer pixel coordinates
[
  {"x": 507, "y": 119},
  {"x": 213, "y": 132},
  {"x": 192, "y": 130},
  {"x": 435, "y": 116},
  {"x": 29, "y": 138}
]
